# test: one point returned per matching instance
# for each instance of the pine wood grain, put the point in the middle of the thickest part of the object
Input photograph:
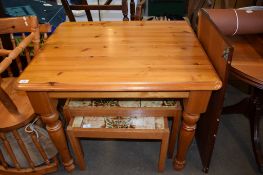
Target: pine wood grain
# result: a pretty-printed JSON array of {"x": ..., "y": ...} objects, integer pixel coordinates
[{"x": 113, "y": 56}]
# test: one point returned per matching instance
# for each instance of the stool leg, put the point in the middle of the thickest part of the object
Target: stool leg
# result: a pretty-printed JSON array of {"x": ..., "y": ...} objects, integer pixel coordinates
[
  {"x": 77, "y": 149},
  {"x": 163, "y": 151}
]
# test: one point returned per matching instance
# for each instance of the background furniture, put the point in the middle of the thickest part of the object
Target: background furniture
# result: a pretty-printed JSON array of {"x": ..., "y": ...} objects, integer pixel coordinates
[
  {"x": 247, "y": 67},
  {"x": 173, "y": 9},
  {"x": 15, "y": 107},
  {"x": 48, "y": 12},
  {"x": 221, "y": 58},
  {"x": 87, "y": 7},
  {"x": 249, "y": 72},
  {"x": 135, "y": 12},
  {"x": 110, "y": 62},
  {"x": 195, "y": 5}
]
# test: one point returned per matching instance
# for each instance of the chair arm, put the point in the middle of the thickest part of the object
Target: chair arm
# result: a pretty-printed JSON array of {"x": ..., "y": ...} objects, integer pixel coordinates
[
  {"x": 14, "y": 53},
  {"x": 139, "y": 10}
]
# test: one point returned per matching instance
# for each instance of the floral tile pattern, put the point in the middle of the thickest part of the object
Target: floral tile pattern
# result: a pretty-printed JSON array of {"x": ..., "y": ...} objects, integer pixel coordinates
[
  {"x": 134, "y": 122},
  {"x": 123, "y": 122},
  {"x": 80, "y": 103},
  {"x": 124, "y": 103}
]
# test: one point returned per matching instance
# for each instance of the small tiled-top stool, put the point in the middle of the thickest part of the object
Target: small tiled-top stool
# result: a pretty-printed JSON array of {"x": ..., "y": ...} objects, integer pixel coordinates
[{"x": 122, "y": 119}]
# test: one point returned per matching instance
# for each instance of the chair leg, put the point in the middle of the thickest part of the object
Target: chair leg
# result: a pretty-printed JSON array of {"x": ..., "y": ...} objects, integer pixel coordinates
[
  {"x": 163, "y": 151},
  {"x": 173, "y": 135},
  {"x": 77, "y": 149},
  {"x": 254, "y": 118}
]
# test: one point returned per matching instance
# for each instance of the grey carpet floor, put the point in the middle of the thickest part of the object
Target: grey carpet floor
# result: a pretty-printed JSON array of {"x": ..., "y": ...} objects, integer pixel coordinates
[{"x": 232, "y": 154}]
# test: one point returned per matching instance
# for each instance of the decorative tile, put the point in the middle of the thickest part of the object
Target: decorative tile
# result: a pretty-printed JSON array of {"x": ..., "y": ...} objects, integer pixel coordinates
[
  {"x": 93, "y": 122},
  {"x": 170, "y": 103},
  {"x": 123, "y": 103},
  {"x": 80, "y": 103},
  {"x": 130, "y": 103},
  {"x": 160, "y": 103},
  {"x": 77, "y": 122},
  {"x": 105, "y": 102},
  {"x": 118, "y": 122},
  {"x": 151, "y": 103},
  {"x": 124, "y": 122}
]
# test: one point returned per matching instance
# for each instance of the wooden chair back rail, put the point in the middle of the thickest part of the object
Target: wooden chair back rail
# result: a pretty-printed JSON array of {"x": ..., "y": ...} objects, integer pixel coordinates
[
  {"x": 26, "y": 50},
  {"x": 44, "y": 29},
  {"x": 3, "y": 162},
  {"x": 135, "y": 13},
  {"x": 17, "y": 58},
  {"x": 39, "y": 148},
  {"x": 17, "y": 50},
  {"x": 88, "y": 13},
  {"x": 132, "y": 10},
  {"x": 23, "y": 148},
  {"x": 20, "y": 25},
  {"x": 193, "y": 7},
  {"x": 5, "y": 52},
  {"x": 9, "y": 150},
  {"x": 85, "y": 6},
  {"x": 139, "y": 10},
  {"x": 96, "y": 7},
  {"x": 221, "y": 57},
  {"x": 22, "y": 48}
]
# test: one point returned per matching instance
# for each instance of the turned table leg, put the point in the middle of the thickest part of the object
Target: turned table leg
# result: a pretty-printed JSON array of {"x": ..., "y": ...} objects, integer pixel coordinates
[
  {"x": 193, "y": 106},
  {"x": 45, "y": 107}
]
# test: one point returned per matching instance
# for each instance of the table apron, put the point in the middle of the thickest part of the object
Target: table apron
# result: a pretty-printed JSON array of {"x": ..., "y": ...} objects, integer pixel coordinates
[{"x": 180, "y": 94}]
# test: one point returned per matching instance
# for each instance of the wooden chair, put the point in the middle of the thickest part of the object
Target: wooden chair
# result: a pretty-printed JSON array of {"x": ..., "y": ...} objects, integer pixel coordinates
[
  {"x": 106, "y": 6},
  {"x": 248, "y": 52},
  {"x": 15, "y": 107},
  {"x": 133, "y": 108}
]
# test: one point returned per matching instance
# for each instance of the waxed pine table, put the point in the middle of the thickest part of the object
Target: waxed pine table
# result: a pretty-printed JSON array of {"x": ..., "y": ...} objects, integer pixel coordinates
[{"x": 136, "y": 59}]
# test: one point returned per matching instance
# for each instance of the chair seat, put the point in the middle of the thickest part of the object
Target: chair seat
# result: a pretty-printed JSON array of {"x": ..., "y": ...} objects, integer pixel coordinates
[{"x": 9, "y": 120}]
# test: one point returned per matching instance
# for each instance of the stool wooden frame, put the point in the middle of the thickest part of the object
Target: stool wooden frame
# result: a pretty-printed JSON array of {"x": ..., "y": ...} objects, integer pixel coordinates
[
  {"x": 174, "y": 112},
  {"x": 75, "y": 134}
]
